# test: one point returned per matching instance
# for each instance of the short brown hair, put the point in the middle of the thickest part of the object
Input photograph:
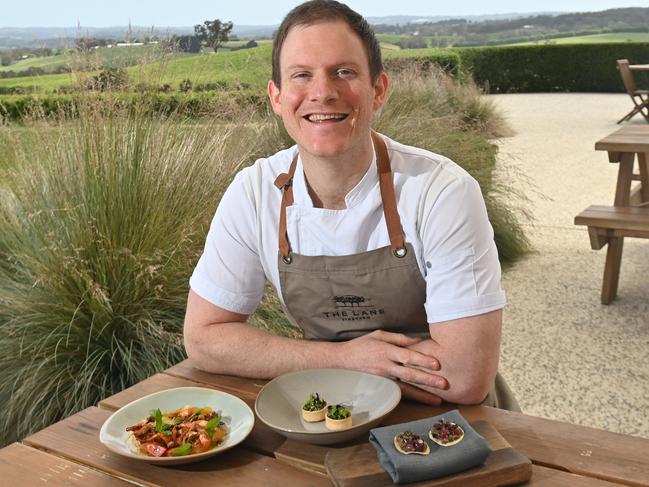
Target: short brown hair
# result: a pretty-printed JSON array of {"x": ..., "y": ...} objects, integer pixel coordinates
[{"x": 317, "y": 11}]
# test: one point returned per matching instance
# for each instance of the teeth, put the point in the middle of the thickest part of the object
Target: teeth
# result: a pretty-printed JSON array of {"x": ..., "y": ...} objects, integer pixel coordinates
[{"x": 318, "y": 117}]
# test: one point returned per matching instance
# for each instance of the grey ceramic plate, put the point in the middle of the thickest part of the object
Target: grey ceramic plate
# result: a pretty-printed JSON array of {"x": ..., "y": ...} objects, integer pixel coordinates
[
  {"x": 236, "y": 414},
  {"x": 369, "y": 397}
]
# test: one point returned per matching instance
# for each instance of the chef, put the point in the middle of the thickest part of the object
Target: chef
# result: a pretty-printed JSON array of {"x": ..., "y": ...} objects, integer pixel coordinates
[{"x": 382, "y": 253}]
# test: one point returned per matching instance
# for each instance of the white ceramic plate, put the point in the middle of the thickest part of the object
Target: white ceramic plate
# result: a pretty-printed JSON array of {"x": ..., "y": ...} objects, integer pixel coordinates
[
  {"x": 237, "y": 415},
  {"x": 369, "y": 397}
]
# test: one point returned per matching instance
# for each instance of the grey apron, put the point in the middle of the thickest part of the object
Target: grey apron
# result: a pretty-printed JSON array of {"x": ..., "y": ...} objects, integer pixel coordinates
[{"x": 337, "y": 298}]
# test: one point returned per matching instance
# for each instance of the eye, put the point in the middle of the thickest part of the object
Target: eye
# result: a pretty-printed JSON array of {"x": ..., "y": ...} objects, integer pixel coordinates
[
  {"x": 345, "y": 73},
  {"x": 300, "y": 75}
]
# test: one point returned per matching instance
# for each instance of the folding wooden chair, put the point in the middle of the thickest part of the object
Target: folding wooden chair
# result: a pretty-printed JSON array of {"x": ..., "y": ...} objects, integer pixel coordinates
[{"x": 640, "y": 98}]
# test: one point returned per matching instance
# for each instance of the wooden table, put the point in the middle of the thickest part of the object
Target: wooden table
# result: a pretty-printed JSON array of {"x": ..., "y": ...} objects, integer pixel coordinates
[
  {"x": 629, "y": 215},
  {"x": 69, "y": 452}
]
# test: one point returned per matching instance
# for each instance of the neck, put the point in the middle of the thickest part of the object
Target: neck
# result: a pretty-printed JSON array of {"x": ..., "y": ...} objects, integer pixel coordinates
[{"x": 330, "y": 179}]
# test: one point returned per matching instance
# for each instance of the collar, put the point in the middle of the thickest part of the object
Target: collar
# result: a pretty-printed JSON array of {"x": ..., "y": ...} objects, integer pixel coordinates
[{"x": 355, "y": 196}]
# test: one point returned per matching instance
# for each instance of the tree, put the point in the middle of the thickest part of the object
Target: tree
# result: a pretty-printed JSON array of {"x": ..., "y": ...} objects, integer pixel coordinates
[
  {"x": 213, "y": 32},
  {"x": 187, "y": 43}
]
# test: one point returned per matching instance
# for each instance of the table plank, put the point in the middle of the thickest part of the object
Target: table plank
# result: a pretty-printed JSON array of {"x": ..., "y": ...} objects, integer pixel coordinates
[
  {"x": 564, "y": 446},
  {"x": 77, "y": 438},
  {"x": 550, "y": 477},
  {"x": 23, "y": 465},
  {"x": 155, "y": 383},
  {"x": 630, "y": 138},
  {"x": 238, "y": 385},
  {"x": 262, "y": 439}
]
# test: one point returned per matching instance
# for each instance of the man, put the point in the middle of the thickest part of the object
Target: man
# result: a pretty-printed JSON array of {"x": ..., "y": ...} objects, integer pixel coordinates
[{"x": 386, "y": 256}]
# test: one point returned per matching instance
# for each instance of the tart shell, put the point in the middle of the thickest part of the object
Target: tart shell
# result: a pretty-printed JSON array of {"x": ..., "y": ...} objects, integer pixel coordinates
[
  {"x": 396, "y": 445},
  {"x": 449, "y": 443},
  {"x": 314, "y": 416},
  {"x": 338, "y": 424}
]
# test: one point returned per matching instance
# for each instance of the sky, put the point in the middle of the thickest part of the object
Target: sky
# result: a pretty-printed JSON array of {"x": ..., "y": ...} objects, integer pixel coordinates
[{"x": 162, "y": 13}]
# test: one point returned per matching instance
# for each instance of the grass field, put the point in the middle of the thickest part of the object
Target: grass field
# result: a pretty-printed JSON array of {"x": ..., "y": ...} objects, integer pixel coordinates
[
  {"x": 103, "y": 56},
  {"x": 250, "y": 66},
  {"x": 594, "y": 39}
]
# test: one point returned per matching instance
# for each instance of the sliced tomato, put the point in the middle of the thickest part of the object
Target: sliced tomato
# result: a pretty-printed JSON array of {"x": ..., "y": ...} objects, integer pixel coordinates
[{"x": 155, "y": 450}]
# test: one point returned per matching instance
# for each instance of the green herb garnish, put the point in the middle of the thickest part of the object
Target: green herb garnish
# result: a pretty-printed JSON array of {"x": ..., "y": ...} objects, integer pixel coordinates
[
  {"x": 184, "y": 449},
  {"x": 315, "y": 402},
  {"x": 338, "y": 412},
  {"x": 160, "y": 425},
  {"x": 157, "y": 415},
  {"x": 212, "y": 424}
]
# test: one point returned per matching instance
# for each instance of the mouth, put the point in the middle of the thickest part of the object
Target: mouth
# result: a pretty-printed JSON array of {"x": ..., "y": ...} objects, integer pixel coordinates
[{"x": 325, "y": 117}]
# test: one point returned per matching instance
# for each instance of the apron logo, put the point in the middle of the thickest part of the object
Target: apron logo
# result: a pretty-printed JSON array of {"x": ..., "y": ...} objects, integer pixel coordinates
[
  {"x": 348, "y": 299},
  {"x": 350, "y": 307}
]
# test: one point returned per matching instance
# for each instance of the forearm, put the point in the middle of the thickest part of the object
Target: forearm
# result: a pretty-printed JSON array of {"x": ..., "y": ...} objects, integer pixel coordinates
[
  {"x": 468, "y": 351},
  {"x": 241, "y": 349},
  {"x": 220, "y": 341}
]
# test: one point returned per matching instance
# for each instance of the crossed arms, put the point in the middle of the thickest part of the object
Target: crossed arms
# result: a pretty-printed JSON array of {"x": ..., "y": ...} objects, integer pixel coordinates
[{"x": 457, "y": 364}]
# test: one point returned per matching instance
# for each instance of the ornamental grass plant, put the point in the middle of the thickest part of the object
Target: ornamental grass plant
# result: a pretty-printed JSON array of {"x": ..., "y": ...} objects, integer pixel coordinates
[
  {"x": 434, "y": 111},
  {"x": 102, "y": 218},
  {"x": 104, "y": 211}
]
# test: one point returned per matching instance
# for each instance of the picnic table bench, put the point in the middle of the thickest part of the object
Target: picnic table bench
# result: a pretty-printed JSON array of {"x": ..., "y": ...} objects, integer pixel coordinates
[
  {"x": 69, "y": 452},
  {"x": 629, "y": 215}
]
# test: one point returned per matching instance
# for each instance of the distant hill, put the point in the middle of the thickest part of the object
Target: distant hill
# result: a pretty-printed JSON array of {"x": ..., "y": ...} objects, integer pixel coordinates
[
  {"x": 464, "y": 31},
  {"x": 57, "y": 37},
  {"x": 449, "y": 30},
  {"x": 414, "y": 19}
]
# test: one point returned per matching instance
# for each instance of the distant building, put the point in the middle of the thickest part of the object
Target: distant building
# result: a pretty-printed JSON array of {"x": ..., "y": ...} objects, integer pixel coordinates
[{"x": 128, "y": 44}]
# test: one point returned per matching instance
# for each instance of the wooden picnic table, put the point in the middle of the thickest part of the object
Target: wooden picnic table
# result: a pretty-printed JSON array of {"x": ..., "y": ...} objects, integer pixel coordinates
[
  {"x": 629, "y": 215},
  {"x": 69, "y": 452}
]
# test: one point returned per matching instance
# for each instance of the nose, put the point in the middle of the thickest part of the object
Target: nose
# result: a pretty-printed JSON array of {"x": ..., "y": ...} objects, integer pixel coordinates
[{"x": 323, "y": 89}]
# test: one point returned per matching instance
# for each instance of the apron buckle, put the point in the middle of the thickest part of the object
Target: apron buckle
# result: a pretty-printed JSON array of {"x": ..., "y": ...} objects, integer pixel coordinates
[{"x": 400, "y": 252}]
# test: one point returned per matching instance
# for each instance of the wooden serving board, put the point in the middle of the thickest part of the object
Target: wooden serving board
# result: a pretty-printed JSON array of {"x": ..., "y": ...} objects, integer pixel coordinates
[{"x": 358, "y": 466}]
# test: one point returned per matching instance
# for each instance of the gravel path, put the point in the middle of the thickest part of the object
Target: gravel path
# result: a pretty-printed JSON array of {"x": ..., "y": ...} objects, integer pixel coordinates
[{"x": 567, "y": 356}]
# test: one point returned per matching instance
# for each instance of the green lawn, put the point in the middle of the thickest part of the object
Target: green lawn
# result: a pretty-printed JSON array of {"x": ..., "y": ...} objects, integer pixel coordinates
[
  {"x": 103, "y": 56},
  {"x": 593, "y": 39},
  {"x": 44, "y": 62},
  {"x": 251, "y": 66}
]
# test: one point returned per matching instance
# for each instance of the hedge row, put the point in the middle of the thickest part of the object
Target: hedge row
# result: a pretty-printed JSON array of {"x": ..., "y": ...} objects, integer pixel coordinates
[
  {"x": 224, "y": 104},
  {"x": 548, "y": 68},
  {"x": 539, "y": 68}
]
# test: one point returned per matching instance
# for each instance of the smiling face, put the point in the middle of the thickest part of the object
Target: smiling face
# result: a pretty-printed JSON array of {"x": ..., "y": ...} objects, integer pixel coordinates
[{"x": 327, "y": 97}]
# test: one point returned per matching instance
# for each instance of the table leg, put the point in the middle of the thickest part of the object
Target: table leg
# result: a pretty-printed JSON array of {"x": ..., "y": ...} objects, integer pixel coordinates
[
  {"x": 624, "y": 177},
  {"x": 643, "y": 164},
  {"x": 612, "y": 269}
]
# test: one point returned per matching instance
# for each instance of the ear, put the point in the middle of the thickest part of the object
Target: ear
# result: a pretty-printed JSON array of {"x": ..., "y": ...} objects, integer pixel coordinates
[
  {"x": 273, "y": 96},
  {"x": 380, "y": 90}
]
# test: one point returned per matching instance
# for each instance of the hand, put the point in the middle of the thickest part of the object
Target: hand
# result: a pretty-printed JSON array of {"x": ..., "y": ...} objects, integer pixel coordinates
[{"x": 387, "y": 354}]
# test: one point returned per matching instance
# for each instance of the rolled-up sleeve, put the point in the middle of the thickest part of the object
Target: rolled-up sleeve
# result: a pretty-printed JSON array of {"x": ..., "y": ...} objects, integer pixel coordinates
[
  {"x": 461, "y": 260},
  {"x": 229, "y": 273}
]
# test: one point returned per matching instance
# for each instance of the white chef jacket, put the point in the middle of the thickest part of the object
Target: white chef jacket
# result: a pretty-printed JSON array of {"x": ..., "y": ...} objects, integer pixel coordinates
[{"x": 441, "y": 209}]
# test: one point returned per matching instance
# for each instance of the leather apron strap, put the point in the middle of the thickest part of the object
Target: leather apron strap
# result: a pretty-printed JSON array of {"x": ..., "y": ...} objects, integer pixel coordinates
[
  {"x": 395, "y": 231},
  {"x": 285, "y": 183}
]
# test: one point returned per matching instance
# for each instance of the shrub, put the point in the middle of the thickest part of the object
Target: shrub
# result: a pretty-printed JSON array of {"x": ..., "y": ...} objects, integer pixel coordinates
[
  {"x": 433, "y": 111},
  {"x": 447, "y": 59},
  {"x": 185, "y": 85},
  {"x": 109, "y": 79},
  {"x": 101, "y": 223}
]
